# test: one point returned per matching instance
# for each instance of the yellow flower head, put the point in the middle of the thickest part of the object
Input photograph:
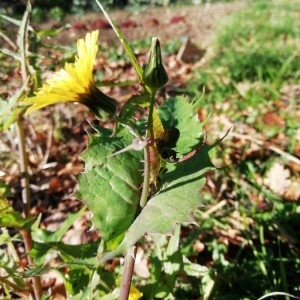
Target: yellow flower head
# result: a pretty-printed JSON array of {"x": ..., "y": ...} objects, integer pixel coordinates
[
  {"x": 75, "y": 83},
  {"x": 134, "y": 293}
]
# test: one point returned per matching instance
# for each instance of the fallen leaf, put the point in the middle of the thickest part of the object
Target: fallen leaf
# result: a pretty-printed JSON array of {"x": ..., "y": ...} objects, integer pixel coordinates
[
  {"x": 128, "y": 23},
  {"x": 189, "y": 52},
  {"x": 141, "y": 267},
  {"x": 101, "y": 24},
  {"x": 272, "y": 118},
  {"x": 177, "y": 19},
  {"x": 278, "y": 179},
  {"x": 293, "y": 191},
  {"x": 79, "y": 26},
  {"x": 152, "y": 22}
]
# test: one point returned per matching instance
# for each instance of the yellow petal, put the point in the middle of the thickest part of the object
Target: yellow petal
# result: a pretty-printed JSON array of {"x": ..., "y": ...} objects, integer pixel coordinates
[
  {"x": 73, "y": 83},
  {"x": 134, "y": 293}
]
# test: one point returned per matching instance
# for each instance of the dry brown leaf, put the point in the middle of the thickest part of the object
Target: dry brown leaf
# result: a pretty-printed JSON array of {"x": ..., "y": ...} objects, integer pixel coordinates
[
  {"x": 54, "y": 284},
  {"x": 278, "y": 179},
  {"x": 272, "y": 118},
  {"x": 141, "y": 267},
  {"x": 293, "y": 191}
]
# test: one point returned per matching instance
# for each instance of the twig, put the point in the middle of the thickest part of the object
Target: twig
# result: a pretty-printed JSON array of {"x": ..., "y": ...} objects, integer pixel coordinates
[
  {"x": 23, "y": 167},
  {"x": 270, "y": 147},
  {"x": 278, "y": 294},
  {"x": 214, "y": 209},
  {"x": 9, "y": 41},
  {"x": 26, "y": 200}
]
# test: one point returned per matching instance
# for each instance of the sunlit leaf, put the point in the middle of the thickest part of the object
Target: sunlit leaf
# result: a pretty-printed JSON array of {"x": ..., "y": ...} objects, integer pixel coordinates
[
  {"x": 179, "y": 113},
  {"x": 81, "y": 255},
  {"x": 110, "y": 186},
  {"x": 175, "y": 203},
  {"x": 130, "y": 107},
  {"x": 11, "y": 218}
]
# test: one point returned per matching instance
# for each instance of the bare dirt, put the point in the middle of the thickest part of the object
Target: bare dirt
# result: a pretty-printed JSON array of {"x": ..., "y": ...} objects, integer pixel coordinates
[{"x": 198, "y": 23}]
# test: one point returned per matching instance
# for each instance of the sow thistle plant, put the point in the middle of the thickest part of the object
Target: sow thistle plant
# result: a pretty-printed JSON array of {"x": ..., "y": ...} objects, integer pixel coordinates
[{"x": 141, "y": 177}]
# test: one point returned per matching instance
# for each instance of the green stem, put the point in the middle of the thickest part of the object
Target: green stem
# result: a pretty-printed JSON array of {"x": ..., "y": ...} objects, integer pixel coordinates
[
  {"x": 130, "y": 255},
  {"x": 150, "y": 116},
  {"x": 149, "y": 134},
  {"x": 145, "y": 190}
]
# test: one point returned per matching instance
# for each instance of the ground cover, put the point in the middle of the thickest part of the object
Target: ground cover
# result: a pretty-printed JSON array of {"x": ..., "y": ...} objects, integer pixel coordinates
[{"x": 245, "y": 78}]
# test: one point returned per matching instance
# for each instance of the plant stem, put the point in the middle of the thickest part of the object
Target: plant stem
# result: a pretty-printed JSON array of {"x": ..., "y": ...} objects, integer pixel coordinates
[
  {"x": 145, "y": 190},
  {"x": 26, "y": 234},
  {"x": 130, "y": 255},
  {"x": 23, "y": 167},
  {"x": 127, "y": 273},
  {"x": 149, "y": 134}
]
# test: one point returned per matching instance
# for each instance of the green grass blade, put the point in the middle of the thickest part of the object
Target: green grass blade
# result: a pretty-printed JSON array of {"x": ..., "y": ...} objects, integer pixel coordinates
[{"x": 124, "y": 42}]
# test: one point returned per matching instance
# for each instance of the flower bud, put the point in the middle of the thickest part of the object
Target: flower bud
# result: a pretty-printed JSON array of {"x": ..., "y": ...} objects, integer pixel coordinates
[
  {"x": 155, "y": 75},
  {"x": 103, "y": 106}
]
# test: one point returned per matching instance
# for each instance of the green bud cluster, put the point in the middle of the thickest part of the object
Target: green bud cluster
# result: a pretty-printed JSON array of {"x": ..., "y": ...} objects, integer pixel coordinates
[{"x": 155, "y": 75}]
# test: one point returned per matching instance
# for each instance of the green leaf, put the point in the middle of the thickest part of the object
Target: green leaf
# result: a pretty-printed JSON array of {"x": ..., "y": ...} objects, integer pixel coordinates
[
  {"x": 52, "y": 31},
  {"x": 37, "y": 271},
  {"x": 11, "y": 218},
  {"x": 46, "y": 236},
  {"x": 186, "y": 121},
  {"x": 84, "y": 254},
  {"x": 16, "y": 220},
  {"x": 77, "y": 280},
  {"x": 110, "y": 185},
  {"x": 85, "y": 294},
  {"x": 175, "y": 203},
  {"x": 57, "y": 235},
  {"x": 193, "y": 269},
  {"x": 8, "y": 111},
  {"x": 130, "y": 107},
  {"x": 4, "y": 192},
  {"x": 11, "y": 269}
]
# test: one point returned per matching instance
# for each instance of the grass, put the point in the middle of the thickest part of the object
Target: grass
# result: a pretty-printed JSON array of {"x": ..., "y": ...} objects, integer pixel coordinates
[
  {"x": 253, "y": 238},
  {"x": 248, "y": 230}
]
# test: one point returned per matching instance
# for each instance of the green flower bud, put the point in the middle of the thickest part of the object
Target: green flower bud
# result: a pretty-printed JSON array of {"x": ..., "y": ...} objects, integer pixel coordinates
[
  {"x": 155, "y": 75},
  {"x": 103, "y": 106}
]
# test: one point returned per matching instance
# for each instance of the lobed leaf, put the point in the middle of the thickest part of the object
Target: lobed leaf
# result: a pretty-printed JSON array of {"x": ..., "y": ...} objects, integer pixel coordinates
[
  {"x": 110, "y": 186},
  {"x": 175, "y": 203},
  {"x": 179, "y": 113}
]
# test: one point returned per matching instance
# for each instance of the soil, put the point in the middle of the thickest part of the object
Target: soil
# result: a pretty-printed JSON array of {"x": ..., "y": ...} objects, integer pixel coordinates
[{"x": 198, "y": 23}]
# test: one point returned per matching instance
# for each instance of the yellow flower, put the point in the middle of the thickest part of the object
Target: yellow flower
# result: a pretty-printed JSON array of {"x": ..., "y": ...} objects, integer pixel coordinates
[
  {"x": 75, "y": 83},
  {"x": 134, "y": 293}
]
